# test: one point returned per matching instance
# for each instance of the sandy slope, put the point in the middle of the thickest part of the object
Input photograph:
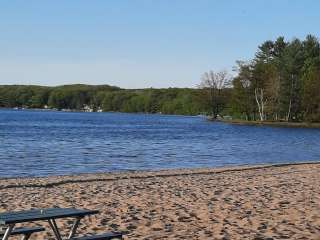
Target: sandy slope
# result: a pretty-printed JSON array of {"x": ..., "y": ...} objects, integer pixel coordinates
[{"x": 257, "y": 203}]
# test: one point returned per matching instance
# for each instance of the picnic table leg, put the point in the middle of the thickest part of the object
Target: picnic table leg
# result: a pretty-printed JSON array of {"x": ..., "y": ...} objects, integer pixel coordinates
[
  {"x": 55, "y": 229},
  {"x": 74, "y": 227},
  {"x": 8, "y": 232},
  {"x": 26, "y": 237}
]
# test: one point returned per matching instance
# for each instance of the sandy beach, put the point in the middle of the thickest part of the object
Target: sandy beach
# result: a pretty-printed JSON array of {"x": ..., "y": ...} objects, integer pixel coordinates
[{"x": 264, "y": 202}]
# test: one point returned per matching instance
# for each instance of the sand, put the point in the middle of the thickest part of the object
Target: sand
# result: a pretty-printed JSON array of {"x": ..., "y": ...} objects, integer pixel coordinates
[{"x": 265, "y": 202}]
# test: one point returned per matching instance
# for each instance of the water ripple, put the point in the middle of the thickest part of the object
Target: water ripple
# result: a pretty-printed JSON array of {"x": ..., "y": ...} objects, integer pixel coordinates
[{"x": 37, "y": 143}]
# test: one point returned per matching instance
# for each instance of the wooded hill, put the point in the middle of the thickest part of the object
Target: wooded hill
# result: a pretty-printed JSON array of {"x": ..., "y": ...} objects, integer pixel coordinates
[{"x": 107, "y": 98}]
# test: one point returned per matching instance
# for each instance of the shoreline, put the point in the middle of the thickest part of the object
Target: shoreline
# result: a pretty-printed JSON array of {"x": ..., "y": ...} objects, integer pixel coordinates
[
  {"x": 273, "y": 124},
  {"x": 55, "y": 180},
  {"x": 82, "y": 111},
  {"x": 248, "y": 202},
  {"x": 315, "y": 125}
]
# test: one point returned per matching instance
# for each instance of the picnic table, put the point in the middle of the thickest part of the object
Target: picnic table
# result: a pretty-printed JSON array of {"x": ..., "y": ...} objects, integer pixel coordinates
[{"x": 10, "y": 219}]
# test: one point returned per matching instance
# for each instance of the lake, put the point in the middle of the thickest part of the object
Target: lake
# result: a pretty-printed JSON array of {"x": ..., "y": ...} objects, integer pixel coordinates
[{"x": 41, "y": 143}]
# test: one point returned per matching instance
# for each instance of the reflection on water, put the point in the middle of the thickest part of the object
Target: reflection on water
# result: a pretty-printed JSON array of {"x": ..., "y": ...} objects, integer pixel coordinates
[{"x": 37, "y": 143}]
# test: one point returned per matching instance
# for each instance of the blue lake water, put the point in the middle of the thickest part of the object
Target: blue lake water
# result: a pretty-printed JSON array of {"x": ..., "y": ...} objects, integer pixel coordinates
[{"x": 39, "y": 143}]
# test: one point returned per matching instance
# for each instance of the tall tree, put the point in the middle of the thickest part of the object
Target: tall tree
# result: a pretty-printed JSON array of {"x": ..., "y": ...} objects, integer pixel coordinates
[
  {"x": 243, "y": 101},
  {"x": 212, "y": 85},
  {"x": 311, "y": 95}
]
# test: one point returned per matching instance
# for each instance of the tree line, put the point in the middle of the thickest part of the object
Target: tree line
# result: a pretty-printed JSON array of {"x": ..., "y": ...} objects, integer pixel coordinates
[
  {"x": 281, "y": 83},
  {"x": 184, "y": 101}
]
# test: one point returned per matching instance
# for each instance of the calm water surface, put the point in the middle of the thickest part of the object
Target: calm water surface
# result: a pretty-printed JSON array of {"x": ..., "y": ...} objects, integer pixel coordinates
[{"x": 38, "y": 143}]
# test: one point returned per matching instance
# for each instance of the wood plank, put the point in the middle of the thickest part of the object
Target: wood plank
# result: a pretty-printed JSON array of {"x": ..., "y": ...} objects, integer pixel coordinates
[
  {"x": 37, "y": 215},
  {"x": 25, "y": 231},
  {"x": 104, "y": 236}
]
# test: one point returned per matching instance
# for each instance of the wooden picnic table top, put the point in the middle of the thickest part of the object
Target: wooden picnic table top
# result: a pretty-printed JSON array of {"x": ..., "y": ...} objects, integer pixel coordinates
[{"x": 42, "y": 214}]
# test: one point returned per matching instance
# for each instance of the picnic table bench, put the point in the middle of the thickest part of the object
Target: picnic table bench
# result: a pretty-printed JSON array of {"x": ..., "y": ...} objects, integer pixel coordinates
[
  {"x": 10, "y": 219},
  {"x": 26, "y": 232},
  {"x": 104, "y": 236}
]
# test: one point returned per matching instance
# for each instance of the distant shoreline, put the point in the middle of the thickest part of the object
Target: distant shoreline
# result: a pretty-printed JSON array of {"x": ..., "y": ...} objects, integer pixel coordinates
[
  {"x": 236, "y": 122},
  {"x": 82, "y": 111},
  {"x": 274, "y": 124}
]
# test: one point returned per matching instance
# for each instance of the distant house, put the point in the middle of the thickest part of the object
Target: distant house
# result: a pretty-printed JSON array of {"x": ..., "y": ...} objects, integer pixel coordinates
[{"x": 87, "y": 108}]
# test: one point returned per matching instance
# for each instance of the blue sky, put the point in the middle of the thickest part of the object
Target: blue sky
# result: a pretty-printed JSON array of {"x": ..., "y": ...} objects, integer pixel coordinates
[{"x": 140, "y": 43}]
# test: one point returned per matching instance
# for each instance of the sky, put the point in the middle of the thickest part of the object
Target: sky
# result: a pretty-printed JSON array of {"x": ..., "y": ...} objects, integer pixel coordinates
[{"x": 140, "y": 43}]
